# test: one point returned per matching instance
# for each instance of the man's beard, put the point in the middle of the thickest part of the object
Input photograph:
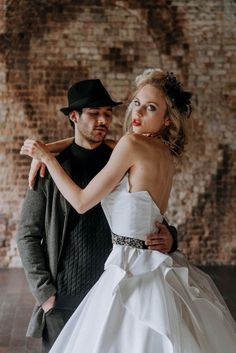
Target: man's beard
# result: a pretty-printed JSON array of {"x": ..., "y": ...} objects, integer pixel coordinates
[{"x": 96, "y": 137}]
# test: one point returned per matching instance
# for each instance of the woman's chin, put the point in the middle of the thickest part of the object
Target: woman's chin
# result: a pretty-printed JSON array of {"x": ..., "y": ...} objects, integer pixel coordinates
[{"x": 137, "y": 130}]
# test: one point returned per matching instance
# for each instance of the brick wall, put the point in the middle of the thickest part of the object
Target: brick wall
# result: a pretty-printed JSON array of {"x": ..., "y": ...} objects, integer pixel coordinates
[{"x": 47, "y": 45}]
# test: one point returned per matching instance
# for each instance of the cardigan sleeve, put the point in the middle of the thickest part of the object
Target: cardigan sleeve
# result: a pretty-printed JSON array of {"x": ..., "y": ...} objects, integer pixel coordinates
[
  {"x": 174, "y": 233},
  {"x": 31, "y": 243}
]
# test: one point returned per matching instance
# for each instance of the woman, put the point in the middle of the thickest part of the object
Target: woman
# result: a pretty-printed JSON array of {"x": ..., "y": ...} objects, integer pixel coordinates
[{"x": 145, "y": 301}]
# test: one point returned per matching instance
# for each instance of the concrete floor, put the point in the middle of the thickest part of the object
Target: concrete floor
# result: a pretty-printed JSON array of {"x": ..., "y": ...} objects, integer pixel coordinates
[{"x": 16, "y": 304}]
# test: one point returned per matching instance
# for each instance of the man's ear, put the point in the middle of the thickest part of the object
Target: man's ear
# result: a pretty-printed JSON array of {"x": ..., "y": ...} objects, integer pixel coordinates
[{"x": 73, "y": 116}]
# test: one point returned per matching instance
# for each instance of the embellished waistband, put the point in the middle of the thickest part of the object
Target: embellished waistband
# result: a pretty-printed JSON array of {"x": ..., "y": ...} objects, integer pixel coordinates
[{"x": 134, "y": 243}]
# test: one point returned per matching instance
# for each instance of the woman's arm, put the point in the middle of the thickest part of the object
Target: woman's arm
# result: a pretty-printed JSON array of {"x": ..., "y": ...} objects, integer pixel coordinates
[
  {"x": 36, "y": 165},
  {"x": 54, "y": 147},
  {"x": 83, "y": 199}
]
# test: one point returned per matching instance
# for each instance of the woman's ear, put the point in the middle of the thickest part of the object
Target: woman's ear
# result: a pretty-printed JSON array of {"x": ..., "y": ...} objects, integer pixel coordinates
[{"x": 167, "y": 121}]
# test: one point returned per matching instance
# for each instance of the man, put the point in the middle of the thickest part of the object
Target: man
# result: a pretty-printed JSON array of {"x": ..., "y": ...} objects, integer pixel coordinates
[{"x": 63, "y": 252}]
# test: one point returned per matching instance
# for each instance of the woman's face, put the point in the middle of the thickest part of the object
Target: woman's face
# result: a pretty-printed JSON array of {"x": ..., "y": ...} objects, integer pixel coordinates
[{"x": 149, "y": 110}]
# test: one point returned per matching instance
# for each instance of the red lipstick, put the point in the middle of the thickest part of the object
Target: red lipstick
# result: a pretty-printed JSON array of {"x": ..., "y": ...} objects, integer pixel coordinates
[{"x": 136, "y": 122}]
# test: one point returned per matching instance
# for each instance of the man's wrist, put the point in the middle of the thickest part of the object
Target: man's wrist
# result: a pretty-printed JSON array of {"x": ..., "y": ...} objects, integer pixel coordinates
[{"x": 174, "y": 234}]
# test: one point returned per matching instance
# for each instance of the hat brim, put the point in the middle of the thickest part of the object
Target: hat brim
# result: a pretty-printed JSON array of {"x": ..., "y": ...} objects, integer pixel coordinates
[{"x": 94, "y": 104}]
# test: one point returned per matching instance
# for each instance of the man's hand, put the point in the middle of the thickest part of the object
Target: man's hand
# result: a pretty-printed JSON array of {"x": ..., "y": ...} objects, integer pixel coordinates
[
  {"x": 34, "y": 168},
  {"x": 49, "y": 303},
  {"x": 161, "y": 241}
]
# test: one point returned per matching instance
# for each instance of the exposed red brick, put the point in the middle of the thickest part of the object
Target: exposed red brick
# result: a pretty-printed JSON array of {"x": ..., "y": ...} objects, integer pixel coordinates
[{"x": 45, "y": 46}]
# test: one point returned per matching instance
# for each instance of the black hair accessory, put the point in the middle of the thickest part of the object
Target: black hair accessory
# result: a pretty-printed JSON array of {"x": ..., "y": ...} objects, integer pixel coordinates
[{"x": 179, "y": 98}]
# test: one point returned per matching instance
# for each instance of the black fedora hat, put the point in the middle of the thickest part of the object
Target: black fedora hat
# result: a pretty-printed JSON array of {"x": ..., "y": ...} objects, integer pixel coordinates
[{"x": 86, "y": 94}]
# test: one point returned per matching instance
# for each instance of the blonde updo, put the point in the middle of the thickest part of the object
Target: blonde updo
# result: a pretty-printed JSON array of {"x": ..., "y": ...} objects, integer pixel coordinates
[{"x": 175, "y": 135}]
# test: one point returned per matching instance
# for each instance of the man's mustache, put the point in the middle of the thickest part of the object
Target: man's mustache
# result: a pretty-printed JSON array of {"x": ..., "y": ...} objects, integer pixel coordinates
[{"x": 101, "y": 127}]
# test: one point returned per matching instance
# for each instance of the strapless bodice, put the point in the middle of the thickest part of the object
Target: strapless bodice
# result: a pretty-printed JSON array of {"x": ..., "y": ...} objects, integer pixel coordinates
[{"x": 130, "y": 214}]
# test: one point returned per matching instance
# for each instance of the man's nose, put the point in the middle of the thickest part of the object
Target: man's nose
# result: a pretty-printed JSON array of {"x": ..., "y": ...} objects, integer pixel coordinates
[{"x": 102, "y": 119}]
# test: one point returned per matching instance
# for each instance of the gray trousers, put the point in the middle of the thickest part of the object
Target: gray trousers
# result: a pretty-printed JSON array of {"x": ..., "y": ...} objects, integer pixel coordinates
[{"x": 55, "y": 320}]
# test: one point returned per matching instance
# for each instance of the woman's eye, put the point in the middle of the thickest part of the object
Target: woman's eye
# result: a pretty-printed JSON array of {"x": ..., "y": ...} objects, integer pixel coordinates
[{"x": 151, "y": 107}]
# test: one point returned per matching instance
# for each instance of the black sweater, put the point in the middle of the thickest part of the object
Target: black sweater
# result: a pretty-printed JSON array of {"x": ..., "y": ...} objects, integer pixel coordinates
[{"x": 88, "y": 239}]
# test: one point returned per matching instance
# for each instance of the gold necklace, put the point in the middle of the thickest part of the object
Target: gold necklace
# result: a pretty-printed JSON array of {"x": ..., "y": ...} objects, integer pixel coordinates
[
  {"x": 158, "y": 135},
  {"x": 152, "y": 134}
]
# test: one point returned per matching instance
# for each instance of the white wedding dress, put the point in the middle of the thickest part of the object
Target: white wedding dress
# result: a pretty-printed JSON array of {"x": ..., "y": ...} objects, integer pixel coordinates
[{"x": 146, "y": 301}]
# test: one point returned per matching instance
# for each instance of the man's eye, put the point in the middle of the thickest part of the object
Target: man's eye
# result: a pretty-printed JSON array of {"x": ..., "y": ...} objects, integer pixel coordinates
[{"x": 136, "y": 103}]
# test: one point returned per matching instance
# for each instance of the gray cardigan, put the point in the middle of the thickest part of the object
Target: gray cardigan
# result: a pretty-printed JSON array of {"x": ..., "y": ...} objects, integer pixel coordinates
[{"x": 40, "y": 240}]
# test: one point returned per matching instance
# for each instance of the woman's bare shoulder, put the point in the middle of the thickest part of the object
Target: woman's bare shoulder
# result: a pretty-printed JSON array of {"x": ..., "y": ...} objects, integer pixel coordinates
[{"x": 127, "y": 138}]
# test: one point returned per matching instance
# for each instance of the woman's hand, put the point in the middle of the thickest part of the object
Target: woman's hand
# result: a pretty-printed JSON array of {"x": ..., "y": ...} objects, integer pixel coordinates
[{"x": 37, "y": 150}]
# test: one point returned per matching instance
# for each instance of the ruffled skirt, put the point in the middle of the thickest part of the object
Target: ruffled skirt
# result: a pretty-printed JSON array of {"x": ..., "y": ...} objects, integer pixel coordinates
[{"x": 148, "y": 302}]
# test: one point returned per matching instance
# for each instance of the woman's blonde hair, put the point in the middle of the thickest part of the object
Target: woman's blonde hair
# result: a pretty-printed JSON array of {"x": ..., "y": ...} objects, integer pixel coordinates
[{"x": 178, "y": 108}]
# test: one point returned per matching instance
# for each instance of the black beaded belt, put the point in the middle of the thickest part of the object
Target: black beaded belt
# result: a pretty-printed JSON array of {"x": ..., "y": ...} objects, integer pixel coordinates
[{"x": 134, "y": 243}]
